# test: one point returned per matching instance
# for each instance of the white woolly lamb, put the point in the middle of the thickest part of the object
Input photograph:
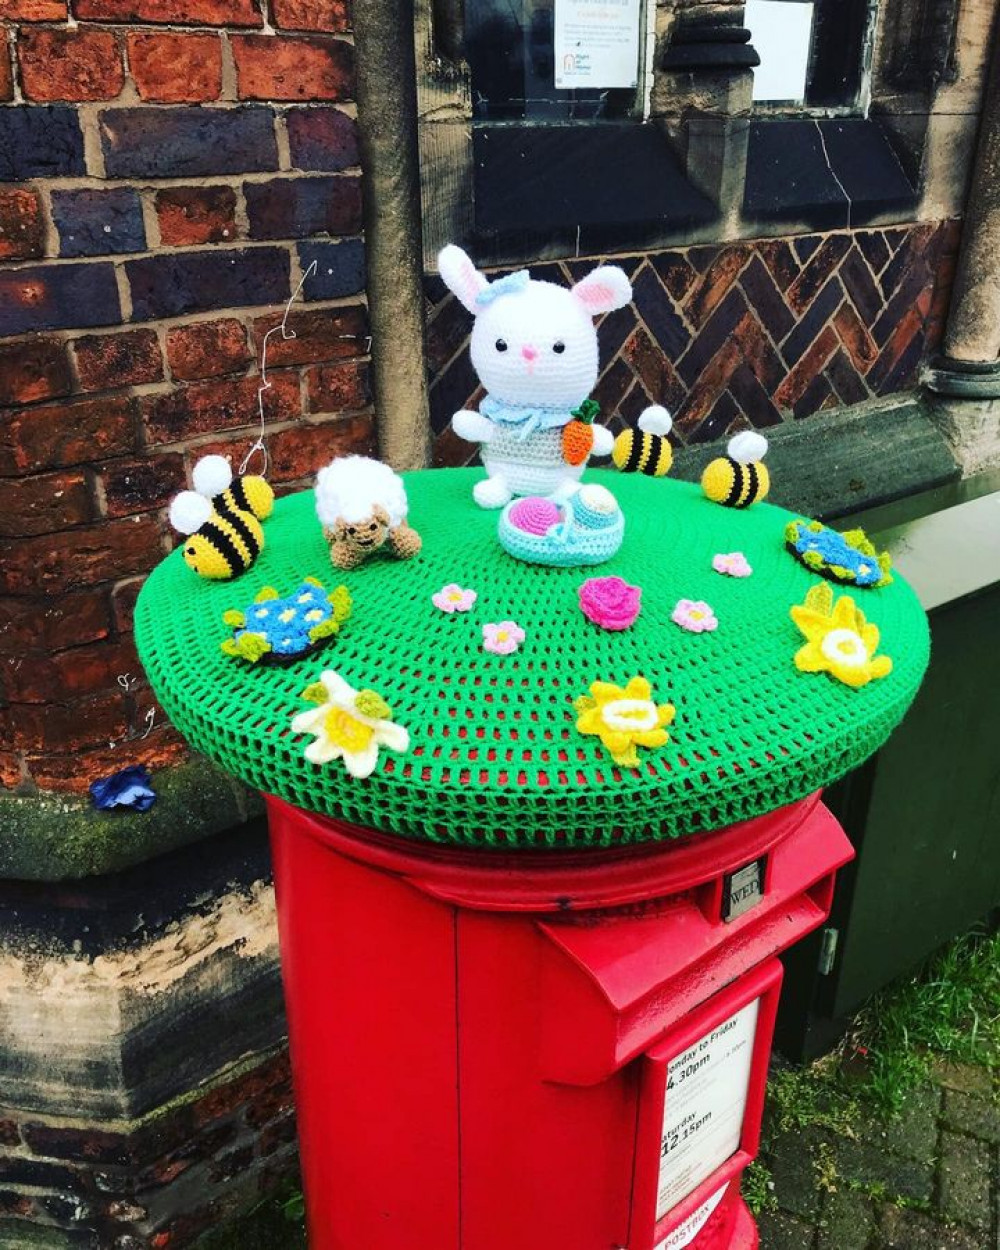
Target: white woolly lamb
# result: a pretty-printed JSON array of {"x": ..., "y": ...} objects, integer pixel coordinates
[{"x": 361, "y": 504}]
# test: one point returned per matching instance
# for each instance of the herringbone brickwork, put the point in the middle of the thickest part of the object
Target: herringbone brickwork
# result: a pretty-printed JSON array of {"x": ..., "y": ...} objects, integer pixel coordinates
[{"x": 742, "y": 334}]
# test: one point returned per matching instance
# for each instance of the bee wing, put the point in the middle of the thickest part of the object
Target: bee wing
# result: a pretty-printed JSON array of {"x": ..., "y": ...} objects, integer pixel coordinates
[
  {"x": 655, "y": 420},
  {"x": 747, "y": 447},
  {"x": 189, "y": 511}
]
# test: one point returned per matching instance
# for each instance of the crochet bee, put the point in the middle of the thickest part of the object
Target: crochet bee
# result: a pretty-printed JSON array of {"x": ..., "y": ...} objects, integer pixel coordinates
[
  {"x": 740, "y": 477},
  {"x": 647, "y": 449},
  {"x": 221, "y": 517}
]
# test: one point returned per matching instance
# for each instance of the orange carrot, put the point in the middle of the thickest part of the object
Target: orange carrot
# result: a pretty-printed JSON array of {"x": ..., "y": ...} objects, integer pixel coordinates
[{"x": 578, "y": 434}]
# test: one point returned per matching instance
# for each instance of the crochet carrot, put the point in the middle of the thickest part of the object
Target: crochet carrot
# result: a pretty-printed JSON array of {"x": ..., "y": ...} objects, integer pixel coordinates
[{"x": 578, "y": 435}]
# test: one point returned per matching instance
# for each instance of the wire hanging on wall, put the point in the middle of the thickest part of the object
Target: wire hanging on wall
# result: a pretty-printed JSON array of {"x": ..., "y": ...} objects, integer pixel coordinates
[{"x": 259, "y": 445}]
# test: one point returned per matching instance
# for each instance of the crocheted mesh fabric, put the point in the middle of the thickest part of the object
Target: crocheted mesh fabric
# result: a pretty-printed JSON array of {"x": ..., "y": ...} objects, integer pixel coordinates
[{"x": 495, "y": 757}]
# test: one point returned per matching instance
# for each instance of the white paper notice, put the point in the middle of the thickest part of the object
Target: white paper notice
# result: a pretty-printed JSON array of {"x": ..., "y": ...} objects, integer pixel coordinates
[
  {"x": 705, "y": 1100},
  {"x": 685, "y": 1233},
  {"x": 597, "y": 43}
]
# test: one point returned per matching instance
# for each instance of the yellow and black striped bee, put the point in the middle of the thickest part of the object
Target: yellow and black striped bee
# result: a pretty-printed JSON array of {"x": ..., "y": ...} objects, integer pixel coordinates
[
  {"x": 647, "y": 449},
  {"x": 221, "y": 518},
  {"x": 739, "y": 478}
]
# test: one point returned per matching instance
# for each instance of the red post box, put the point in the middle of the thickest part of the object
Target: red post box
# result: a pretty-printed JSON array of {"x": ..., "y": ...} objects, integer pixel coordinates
[{"x": 497, "y": 1050}]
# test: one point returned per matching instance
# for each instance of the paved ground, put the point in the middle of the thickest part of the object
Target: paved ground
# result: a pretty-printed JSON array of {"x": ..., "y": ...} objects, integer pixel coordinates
[{"x": 927, "y": 1180}]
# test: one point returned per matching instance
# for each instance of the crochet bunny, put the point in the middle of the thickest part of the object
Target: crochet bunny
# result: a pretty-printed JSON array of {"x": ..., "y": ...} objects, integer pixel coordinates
[{"x": 534, "y": 347}]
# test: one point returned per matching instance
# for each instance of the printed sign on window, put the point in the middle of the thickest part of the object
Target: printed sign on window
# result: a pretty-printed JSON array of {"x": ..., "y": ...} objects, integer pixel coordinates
[
  {"x": 597, "y": 43},
  {"x": 704, "y": 1105}
]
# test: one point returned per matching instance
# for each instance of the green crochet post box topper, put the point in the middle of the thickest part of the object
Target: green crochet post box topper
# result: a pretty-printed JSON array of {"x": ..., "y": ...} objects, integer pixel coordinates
[{"x": 477, "y": 704}]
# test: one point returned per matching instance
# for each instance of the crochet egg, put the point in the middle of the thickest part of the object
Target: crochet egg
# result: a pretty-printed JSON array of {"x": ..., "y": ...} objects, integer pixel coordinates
[{"x": 533, "y": 515}]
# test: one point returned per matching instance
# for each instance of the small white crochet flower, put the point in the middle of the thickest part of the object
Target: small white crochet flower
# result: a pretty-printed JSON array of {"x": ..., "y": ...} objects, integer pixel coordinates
[{"x": 348, "y": 724}]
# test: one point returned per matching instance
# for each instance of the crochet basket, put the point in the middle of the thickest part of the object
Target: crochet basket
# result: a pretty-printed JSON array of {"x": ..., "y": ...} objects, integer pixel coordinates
[{"x": 495, "y": 758}]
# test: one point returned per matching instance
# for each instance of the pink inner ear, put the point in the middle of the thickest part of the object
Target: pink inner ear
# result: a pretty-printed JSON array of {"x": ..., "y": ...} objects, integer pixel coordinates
[
  {"x": 472, "y": 281},
  {"x": 595, "y": 296}
]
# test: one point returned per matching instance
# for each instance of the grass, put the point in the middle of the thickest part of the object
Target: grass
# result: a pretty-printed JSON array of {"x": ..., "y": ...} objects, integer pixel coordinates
[{"x": 949, "y": 1010}]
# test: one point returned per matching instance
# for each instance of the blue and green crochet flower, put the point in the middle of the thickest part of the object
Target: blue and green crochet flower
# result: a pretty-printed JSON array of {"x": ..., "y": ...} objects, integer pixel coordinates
[
  {"x": 275, "y": 629},
  {"x": 848, "y": 558}
]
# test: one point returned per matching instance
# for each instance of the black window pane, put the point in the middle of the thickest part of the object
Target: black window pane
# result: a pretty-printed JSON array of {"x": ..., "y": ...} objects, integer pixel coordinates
[{"x": 510, "y": 45}]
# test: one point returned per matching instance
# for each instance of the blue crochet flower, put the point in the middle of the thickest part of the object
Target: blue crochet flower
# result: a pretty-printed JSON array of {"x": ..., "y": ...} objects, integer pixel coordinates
[
  {"x": 129, "y": 787},
  {"x": 848, "y": 557}
]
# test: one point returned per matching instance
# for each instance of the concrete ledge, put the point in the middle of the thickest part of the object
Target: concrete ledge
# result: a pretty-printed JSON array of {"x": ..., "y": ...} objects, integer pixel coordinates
[
  {"x": 848, "y": 459},
  {"x": 52, "y": 837}
]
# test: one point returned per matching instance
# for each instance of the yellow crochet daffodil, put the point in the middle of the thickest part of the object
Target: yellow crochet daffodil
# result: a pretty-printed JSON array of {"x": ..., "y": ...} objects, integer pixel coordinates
[
  {"x": 624, "y": 718},
  {"x": 348, "y": 724},
  {"x": 839, "y": 639}
]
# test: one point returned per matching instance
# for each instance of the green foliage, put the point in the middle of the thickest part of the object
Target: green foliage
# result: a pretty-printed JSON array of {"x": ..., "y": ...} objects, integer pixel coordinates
[
  {"x": 315, "y": 693},
  {"x": 264, "y": 594},
  {"x": 250, "y": 647},
  {"x": 234, "y": 618},
  {"x": 757, "y": 1188},
  {"x": 371, "y": 704}
]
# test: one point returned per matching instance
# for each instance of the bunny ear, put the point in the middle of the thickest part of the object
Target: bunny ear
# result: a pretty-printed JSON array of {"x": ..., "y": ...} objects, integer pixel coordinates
[
  {"x": 461, "y": 277},
  {"x": 604, "y": 289}
]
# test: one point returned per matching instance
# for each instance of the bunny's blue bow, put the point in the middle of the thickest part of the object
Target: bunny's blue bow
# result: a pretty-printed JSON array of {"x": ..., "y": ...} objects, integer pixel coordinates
[{"x": 509, "y": 284}]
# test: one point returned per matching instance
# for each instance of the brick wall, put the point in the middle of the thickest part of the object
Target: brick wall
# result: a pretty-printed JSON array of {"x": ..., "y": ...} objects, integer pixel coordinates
[
  {"x": 162, "y": 189},
  {"x": 158, "y": 1183},
  {"x": 750, "y": 333}
]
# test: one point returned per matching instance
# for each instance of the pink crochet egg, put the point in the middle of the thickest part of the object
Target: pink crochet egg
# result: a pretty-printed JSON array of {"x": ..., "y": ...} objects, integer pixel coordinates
[{"x": 533, "y": 515}]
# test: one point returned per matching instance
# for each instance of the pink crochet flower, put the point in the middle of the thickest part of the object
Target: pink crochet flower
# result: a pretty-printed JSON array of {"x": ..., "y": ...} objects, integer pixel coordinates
[
  {"x": 609, "y": 602},
  {"x": 503, "y": 638},
  {"x": 694, "y": 615},
  {"x": 734, "y": 564},
  {"x": 452, "y": 598}
]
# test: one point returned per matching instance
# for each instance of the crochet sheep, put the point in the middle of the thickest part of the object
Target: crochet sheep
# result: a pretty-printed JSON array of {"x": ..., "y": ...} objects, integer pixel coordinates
[
  {"x": 534, "y": 347},
  {"x": 362, "y": 506}
]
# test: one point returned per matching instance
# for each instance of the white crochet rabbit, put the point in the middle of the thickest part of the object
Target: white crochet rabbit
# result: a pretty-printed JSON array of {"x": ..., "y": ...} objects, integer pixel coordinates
[{"x": 534, "y": 347}]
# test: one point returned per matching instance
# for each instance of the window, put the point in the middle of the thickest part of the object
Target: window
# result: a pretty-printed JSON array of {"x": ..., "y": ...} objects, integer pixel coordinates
[
  {"x": 555, "y": 60},
  {"x": 813, "y": 53}
]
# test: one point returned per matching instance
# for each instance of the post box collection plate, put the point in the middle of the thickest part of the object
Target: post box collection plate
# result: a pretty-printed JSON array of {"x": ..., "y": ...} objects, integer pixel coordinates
[
  {"x": 705, "y": 1101},
  {"x": 743, "y": 888}
]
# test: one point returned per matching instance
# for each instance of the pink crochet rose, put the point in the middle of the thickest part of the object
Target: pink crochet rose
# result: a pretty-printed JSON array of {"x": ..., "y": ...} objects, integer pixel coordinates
[
  {"x": 733, "y": 564},
  {"x": 452, "y": 598},
  {"x": 609, "y": 602},
  {"x": 502, "y": 638},
  {"x": 694, "y": 615}
]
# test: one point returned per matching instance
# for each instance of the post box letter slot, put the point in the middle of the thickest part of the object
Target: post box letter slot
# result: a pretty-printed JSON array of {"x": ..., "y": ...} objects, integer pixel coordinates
[{"x": 701, "y": 1100}]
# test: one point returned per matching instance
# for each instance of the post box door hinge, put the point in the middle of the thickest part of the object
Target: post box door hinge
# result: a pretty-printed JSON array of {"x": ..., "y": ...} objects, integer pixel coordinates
[{"x": 828, "y": 951}]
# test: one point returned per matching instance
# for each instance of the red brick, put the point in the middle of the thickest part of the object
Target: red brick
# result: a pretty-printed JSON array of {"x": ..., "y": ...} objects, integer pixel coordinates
[
  {"x": 72, "y": 772},
  {"x": 43, "y": 504},
  {"x": 70, "y": 65},
  {"x": 34, "y": 369},
  {"x": 861, "y": 347},
  {"x": 297, "y": 453},
  {"x": 33, "y": 439},
  {"x": 33, "y": 10},
  {"x": 60, "y": 727},
  {"x": 12, "y": 774},
  {"x": 82, "y": 557},
  {"x": 190, "y": 215},
  {"x": 710, "y": 289},
  {"x": 123, "y": 599},
  {"x": 107, "y": 361},
  {"x": 176, "y": 13},
  {"x": 338, "y": 388},
  {"x": 6, "y": 74},
  {"x": 209, "y": 406},
  {"x": 276, "y": 67},
  {"x": 29, "y": 625},
  {"x": 812, "y": 362},
  {"x": 207, "y": 349},
  {"x": 21, "y": 227},
  {"x": 141, "y": 485},
  {"x": 70, "y": 674},
  {"x": 319, "y": 335},
  {"x": 326, "y": 15},
  {"x": 174, "y": 69}
]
